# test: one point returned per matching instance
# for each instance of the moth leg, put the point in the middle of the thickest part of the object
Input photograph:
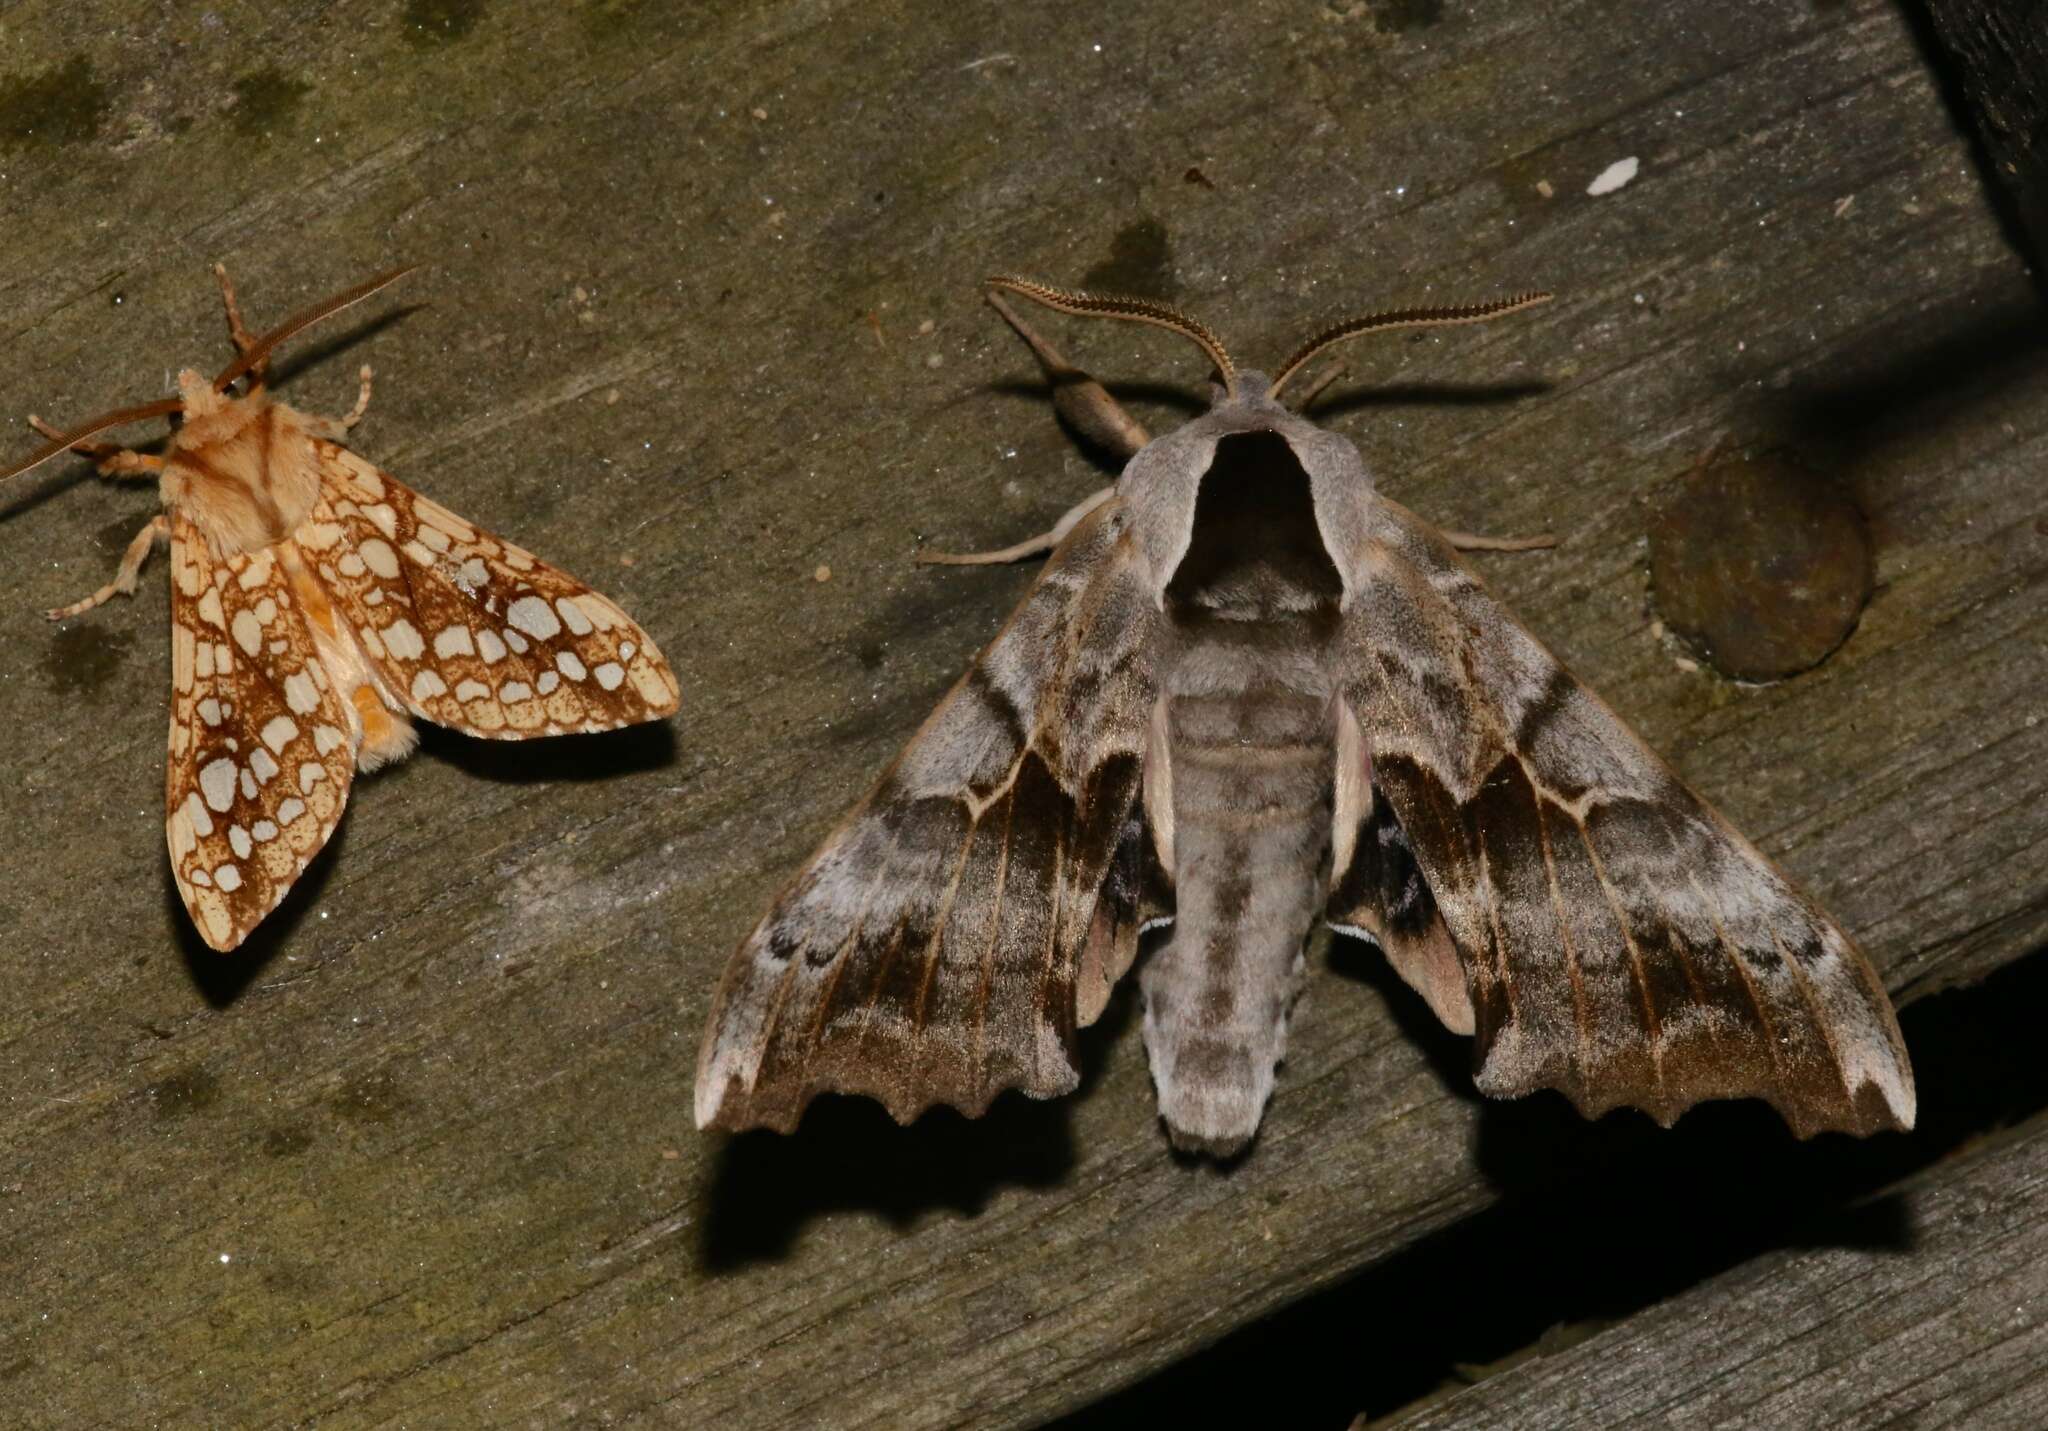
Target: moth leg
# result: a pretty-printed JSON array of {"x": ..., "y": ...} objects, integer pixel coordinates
[
  {"x": 1084, "y": 404},
  {"x": 333, "y": 428},
  {"x": 1044, "y": 542},
  {"x": 1468, "y": 542},
  {"x": 244, "y": 340},
  {"x": 157, "y": 529},
  {"x": 355, "y": 414},
  {"x": 112, "y": 461}
]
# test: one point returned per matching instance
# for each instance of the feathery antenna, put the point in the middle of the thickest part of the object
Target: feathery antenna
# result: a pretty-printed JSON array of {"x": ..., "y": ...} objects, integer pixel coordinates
[
  {"x": 304, "y": 319},
  {"x": 1402, "y": 318},
  {"x": 256, "y": 353},
  {"x": 162, "y": 407},
  {"x": 1134, "y": 310}
]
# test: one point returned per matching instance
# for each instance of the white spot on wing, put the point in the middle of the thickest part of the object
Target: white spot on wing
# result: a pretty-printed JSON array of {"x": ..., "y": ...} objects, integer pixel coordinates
[
  {"x": 573, "y": 617},
  {"x": 228, "y": 878},
  {"x": 238, "y": 839},
  {"x": 452, "y": 641},
  {"x": 472, "y": 691},
  {"x": 535, "y": 617},
  {"x": 402, "y": 640},
  {"x": 610, "y": 675},
  {"x": 290, "y": 810},
  {"x": 569, "y": 665},
  {"x": 248, "y": 632},
  {"x": 490, "y": 647},
  {"x": 217, "y": 784},
  {"x": 278, "y": 732},
  {"x": 378, "y": 556},
  {"x": 428, "y": 684},
  {"x": 300, "y": 693}
]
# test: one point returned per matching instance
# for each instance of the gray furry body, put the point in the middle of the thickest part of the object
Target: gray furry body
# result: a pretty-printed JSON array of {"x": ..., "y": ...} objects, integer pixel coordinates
[{"x": 1248, "y": 715}]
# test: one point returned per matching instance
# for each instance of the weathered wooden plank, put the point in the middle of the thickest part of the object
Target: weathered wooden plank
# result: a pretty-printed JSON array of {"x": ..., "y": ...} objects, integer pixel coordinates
[
  {"x": 438, "y": 1126},
  {"x": 1939, "y": 1320}
]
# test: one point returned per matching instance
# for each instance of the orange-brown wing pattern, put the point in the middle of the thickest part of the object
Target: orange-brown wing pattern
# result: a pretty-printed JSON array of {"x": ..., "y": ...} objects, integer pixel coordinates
[
  {"x": 261, "y": 751},
  {"x": 468, "y": 630}
]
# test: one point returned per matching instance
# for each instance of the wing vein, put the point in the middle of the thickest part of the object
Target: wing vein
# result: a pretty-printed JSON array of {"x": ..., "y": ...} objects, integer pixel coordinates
[
  {"x": 1564, "y": 938},
  {"x": 988, "y": 954},
  {"x": 1653, "y": 1021},
  {"x": 1742, "y": 972}
]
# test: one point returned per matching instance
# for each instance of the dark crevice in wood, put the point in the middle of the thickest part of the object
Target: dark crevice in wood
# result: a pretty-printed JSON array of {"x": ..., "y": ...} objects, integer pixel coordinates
[
  {"x": 1601, "y": 1220},
  {"x": 1986, "y": 57}
]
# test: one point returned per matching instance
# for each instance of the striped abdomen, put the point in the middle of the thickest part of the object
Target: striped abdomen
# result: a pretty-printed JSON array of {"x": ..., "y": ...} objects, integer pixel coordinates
[{"x": 1248, "y": 729}]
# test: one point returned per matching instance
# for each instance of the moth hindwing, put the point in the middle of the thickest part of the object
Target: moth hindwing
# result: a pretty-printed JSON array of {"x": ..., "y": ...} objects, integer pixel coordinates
[
  {"x": 1246, "y": 693},
  {"x": 318, "y": 605}
]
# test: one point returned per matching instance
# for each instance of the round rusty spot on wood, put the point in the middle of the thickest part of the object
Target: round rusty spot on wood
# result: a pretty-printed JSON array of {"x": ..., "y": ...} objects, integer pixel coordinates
[{"x": 1760, "y": 567}]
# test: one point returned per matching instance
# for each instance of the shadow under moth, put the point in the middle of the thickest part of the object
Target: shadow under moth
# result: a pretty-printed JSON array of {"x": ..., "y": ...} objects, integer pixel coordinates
[
  {"x": 1248, "y": 692},
  {"x": 317, "y": 606}
]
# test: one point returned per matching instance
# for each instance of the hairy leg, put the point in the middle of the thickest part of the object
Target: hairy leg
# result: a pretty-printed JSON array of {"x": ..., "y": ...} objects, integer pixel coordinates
[{"x": 157, "y": 529}]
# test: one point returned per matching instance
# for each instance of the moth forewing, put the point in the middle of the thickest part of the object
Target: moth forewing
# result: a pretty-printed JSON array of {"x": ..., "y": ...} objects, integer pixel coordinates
[
  {"x": 317, "y": 606},
  {"x": 1248, "y": 692}
]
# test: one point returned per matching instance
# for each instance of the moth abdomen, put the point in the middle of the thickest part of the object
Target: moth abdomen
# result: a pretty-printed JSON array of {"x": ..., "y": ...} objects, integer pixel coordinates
[{"x": 1251, "y": 831}]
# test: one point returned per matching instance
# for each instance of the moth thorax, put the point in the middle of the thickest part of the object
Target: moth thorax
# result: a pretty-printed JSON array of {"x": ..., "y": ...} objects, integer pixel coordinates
[{"x": 244, "y": 471}]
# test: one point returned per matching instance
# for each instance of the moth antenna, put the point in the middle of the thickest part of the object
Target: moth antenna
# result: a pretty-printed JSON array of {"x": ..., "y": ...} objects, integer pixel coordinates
[
  {"x": 261, "y": 348},
  {"x": 1402, "y": 318},
  {"x": 64, "y": 442},
  {"x": 1135, "y": 310}
]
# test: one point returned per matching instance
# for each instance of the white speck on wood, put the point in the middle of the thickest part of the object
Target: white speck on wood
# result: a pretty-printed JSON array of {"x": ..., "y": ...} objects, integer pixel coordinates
[{"x": 1614, "y": 176}]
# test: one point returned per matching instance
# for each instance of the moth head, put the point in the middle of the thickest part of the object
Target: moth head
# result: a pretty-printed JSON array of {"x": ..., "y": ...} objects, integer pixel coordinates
[
  {"x": 1160, "y": 484},
  {"x": 196, "y": 396}
]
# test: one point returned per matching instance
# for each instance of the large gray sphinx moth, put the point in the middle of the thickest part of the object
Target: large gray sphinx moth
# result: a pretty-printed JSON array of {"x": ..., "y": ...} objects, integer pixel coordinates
[{"x": 1246, "y": 692}]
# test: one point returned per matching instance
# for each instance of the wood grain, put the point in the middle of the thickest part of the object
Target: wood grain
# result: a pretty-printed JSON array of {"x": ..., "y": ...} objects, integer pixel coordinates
[
  {"x": 1928, "y": 1307},
  {"x": 425, "y": 1156}
]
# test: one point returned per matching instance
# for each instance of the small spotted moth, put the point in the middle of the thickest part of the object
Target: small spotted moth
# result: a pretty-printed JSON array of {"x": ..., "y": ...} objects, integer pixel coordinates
[{"x": 316, "y": 606}]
